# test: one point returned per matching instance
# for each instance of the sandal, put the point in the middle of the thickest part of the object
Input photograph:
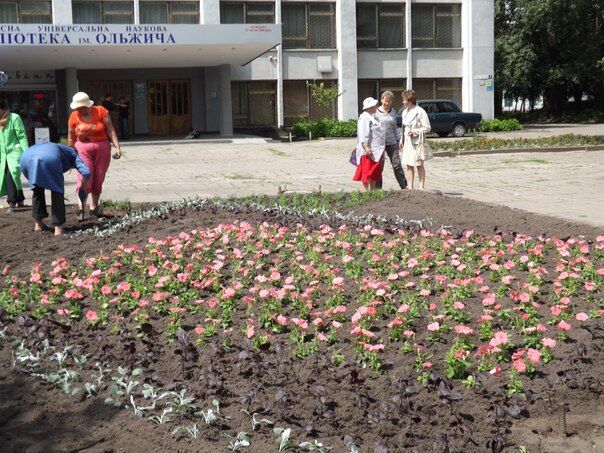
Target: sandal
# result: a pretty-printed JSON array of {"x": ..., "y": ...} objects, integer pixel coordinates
[{"x": 96, "y": 212}]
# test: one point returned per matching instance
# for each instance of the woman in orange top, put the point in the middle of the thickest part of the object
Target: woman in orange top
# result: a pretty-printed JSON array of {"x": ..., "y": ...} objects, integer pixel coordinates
[{"x": 90, "y": 129}]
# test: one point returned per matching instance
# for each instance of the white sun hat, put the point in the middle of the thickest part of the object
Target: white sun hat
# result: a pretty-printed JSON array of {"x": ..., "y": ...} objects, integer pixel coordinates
[
  {"x": 369, "y": 102},
  {"x": 80, "y": 99}
]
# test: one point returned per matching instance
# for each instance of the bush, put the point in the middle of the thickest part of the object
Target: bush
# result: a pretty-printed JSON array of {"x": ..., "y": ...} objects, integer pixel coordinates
[
  {"x": 325, "y": 128},
  {"x": 486, "y": 143},
  {"x": 499, "y": 125},
  {"x": 588, "y": 116}
]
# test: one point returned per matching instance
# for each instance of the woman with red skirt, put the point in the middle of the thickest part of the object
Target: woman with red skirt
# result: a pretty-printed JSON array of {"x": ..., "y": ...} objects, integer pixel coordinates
[{"x": 370, "y": 146}]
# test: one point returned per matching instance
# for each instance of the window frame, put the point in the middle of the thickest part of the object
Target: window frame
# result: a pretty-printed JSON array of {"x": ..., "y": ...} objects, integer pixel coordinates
[
  {"x": 377, "y": 14},
  {"x": 105, "y": 15},
  {"x": 435, "y": 16},
  {"x": 308, "y": 13},
  {"x": 247, "y": 14},
  {"x": 20, "y": 14},
  {"x": 169, "y": 13}
]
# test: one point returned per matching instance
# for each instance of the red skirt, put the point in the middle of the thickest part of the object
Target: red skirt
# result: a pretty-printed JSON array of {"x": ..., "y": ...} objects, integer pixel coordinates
[{"x": 368, "y": 170}]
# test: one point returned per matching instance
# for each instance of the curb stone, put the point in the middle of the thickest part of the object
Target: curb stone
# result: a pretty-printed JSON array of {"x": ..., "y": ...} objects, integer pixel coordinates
[{"x": 560, "y": 149}]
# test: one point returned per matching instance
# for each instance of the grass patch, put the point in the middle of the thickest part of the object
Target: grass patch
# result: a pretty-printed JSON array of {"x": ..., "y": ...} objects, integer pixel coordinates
[
  {"x": 276, "y": 152},
  {"x": 321, "y": 201},
  {"x": 486, "y": 143},
  {"x": 239, "y": 176},
  {"x": 532, "y": 161},
  {"x": 118, "y": 205}
]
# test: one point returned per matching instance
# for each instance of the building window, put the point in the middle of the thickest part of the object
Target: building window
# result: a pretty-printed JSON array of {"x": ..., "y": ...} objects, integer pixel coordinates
[
  {"x": 254, "y": 103},
  {"x": 436, "y": 25},
  {"x": 308, "y": 25},
  {"x": 438, "y": 89},
  {"x": 380, "y": 26},
  {"x": 25, "y": 12},
  {"x": 247, "y": 13},
  {"x": 94, "y": 12},
  {"x": 298, "y": 103},
  {"x": 185, "y": 12},
  {"x": 375, "y": 88}
]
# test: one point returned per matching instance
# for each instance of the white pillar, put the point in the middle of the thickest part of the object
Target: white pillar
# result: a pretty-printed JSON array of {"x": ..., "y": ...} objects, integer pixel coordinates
[
  {"x": 137, "y": 12},
  {"x": 226, "y": 104},
  {"x": 409, "y": 42},
  {"x": 61, "y": 12},
  {"x": 346, "y": 37},
  {"x": 478, "y": 42},
  {"x": 209, "y": 11},
  {"x": 280, "y": 113},
  {"x": 71, "y": 87}
]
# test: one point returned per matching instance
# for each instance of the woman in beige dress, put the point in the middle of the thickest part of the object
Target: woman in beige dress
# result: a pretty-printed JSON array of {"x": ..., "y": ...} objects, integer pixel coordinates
[{"x": 415, "y": 127}]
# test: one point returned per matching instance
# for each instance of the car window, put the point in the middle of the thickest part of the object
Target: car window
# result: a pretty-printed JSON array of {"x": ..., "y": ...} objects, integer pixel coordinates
[
  {"x": 444, "y": 107},
  {"x": 454, "y": 107},
  {"x": 430, "y": 107}
]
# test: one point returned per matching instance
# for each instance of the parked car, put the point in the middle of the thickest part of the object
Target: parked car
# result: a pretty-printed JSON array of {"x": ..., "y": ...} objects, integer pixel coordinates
[{"x": 446, "y": 117}]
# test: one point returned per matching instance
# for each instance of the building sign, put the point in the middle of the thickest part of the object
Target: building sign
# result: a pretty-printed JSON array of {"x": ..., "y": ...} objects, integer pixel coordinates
[
  {"x": 116, "y": 34},
  {"x": 29, "y": 77}
]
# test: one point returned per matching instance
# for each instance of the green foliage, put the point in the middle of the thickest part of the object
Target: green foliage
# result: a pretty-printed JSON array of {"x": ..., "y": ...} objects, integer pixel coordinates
[
  {"x": 549, "y": 47},
  {"x": 587, "y": 116},
  {"x": 485, "y": 143},
  {"x": 499, "y": 125},
  {"x": 325, "y": 128},
  {"x": 323, "y": 96}
]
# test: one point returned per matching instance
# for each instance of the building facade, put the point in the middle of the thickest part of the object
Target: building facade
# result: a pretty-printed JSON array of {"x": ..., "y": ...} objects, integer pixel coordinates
[{"x": 215, "y": 66}]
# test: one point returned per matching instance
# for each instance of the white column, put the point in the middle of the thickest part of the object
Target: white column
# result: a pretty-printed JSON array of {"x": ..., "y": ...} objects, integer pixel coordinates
[
  {"x": 137, "y": 12},
  {"x": 409, "y": 42},
  {"x": 61, "y": 12},
  {"x": 226, "y": 104},
  {"x": 71, "y": 87},
  {"x": 346, "y": 38},
  {"x": 280, "y": 113},
  {"x": 478, "y": 41},
  {"x": 209, "y": 11}
]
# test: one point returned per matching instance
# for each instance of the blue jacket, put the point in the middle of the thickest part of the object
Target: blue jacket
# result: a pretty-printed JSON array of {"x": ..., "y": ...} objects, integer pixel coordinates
[{"x": 44, "y": 164}]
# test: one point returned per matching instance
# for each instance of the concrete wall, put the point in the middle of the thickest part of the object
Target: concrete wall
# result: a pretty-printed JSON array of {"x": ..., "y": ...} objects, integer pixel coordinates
[
  {"x": 434, "y": 63},
  {"x": 382, "y": 64}
]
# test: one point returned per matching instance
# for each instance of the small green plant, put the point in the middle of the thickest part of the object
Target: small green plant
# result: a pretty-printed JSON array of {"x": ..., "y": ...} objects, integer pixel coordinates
[
  {"x": 323, "y": 96},
  {"x": 118, "y": 205},
  {"x": 499, "y": 125}
]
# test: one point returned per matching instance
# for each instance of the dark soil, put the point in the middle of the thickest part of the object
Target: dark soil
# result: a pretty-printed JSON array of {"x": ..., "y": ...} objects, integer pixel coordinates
[{"x": 389, "y": 412}]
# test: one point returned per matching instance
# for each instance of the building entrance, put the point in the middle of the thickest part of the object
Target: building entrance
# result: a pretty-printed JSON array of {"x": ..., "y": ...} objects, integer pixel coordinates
[{"x": 169, "y": 107}]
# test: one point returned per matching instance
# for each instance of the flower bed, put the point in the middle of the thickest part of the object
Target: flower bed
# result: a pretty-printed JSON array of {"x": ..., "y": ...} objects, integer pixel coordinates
[{"x": 248, "y": 333}]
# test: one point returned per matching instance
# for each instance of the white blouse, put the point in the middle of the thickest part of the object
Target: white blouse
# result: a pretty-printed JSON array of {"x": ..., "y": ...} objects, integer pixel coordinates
[{"x": 370, "y": 131}]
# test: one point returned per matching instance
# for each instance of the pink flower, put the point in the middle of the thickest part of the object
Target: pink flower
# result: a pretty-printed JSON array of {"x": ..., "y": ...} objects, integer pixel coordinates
[
  {"x": 589, "y": 286},
  {"x": 336, "y": 324},
  {"x": 106, "y": 290},
  {"x": 424, "y": 293},
  {"x": 281, "y": 320},
  {"x": 520, "y": 365},
  {"x": 427, "y": 365},
  {"x": 251, "y": 330},
  {"x": 275, "y": 276},
  {"x": 432, "y": 307},
  {"x": 563, "y": 325},
  {"x": 395, "y": 323},
  {"x": 408, "y": 333},
  {"x": 534, "y": 355},
  {"x": 229, "y": 293},
  {"x": 92, "y": 315},
  {"x": 338, "y": 281},
  {"x": 549, "y": 342},
  {"x": 321, "y": 337},
  {"x": 63, "y": 312},
  {"x": 463, "y": 330},
  {"x": 403, "y": 308},
  {"x": 458, "y": 305},
  {"x": 488, "y": 300},
  {"x": 500, "y": 338},
  {"x": 495, "y": 371},
  {"x": 582, "y": 316},
  {"x": 556, "y": 310},
  {"x": 199, "y": 330},
  {"x": 506, "y": 279},
  {"x": 433, "y": 327}
]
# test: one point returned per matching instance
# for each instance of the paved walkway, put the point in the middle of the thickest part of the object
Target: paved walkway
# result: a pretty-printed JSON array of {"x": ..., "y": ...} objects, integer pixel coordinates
[{"x": 568, "y": 185}]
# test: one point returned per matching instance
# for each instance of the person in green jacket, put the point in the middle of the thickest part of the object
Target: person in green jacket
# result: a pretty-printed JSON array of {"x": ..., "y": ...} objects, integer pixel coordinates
[{"x": 13, "y": 141}]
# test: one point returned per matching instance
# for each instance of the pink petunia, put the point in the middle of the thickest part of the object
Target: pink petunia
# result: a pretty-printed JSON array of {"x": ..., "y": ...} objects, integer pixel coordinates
[
  {"x": 556, "y": 310},
  {"x": 408, "y": 333},
  {"x": 582, "y": 316},
  {"x": 549, "y": 342},
  {"x": 463, "y": 330},
  {"x": 520, "y": 365},
  {"x": 92, "y": 315},
  {"x": 282, "y": 320},
  {"x": 534, "y": 355},
  {"x": 199, "y": 330},
  {"x": 424, "y": 293},
  {"x": 563, "y": 325},
  {"x": 403, "y": 308},
  {"x": 499, "y": 339},
  {"x": 229, "y": 293},
  {"x": 338, "y": 281},
  {"x": 589, "y": 286},
  {"x": 458, "y": 305},
  {"x": 433, "y": 327}
]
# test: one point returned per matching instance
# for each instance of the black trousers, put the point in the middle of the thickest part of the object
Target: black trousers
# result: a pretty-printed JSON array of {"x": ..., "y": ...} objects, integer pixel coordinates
[
  {"x": 395, "y": 160},
  {"x": 13, "y": 195},
  {"x": 38, "y": 206}
]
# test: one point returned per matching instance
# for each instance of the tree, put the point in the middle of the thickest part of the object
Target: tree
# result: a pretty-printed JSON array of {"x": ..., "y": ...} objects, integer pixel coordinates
[
  {"x": 325, "y": 97},
  {"x": 550, "y": 47}
]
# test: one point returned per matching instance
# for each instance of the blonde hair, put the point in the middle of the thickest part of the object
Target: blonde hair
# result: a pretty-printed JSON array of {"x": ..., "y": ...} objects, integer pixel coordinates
[
  {"x": 388, "y": 95},
  {"x": 409, "y": 95}
]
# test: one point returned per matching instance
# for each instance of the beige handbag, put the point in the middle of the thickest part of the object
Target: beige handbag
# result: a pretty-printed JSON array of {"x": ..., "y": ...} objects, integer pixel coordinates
[{"x": 424, "y": 152}]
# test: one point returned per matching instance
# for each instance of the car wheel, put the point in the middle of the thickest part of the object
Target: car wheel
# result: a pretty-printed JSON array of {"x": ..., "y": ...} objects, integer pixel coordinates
[
  {"x": 459, "y": 130},
  {"x": 442, "y": 134}
]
